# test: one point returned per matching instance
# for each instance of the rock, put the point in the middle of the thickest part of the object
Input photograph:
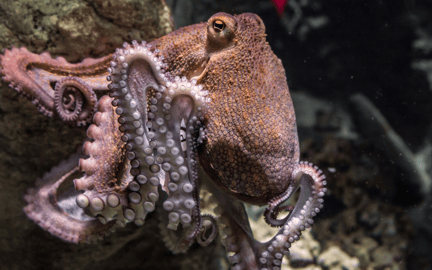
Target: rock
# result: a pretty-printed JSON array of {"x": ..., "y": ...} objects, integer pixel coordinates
[
  {"x": 334, "y": 258},
  {"x": 304, "y": 251},
  {"x": 382, "y": 258},
  {"x": 362, "y": 248}
]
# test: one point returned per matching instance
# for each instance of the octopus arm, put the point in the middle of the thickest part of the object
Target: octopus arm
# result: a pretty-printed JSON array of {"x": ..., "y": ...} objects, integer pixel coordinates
[
  {"x": 234, "y": 228},
  {"x": 144, "y": 136},
  {"x": 160, "y": 118},
  {"x": 56, "y": 212},
  {"x": 55, "y": 86},
  {"x": 106, "y": 170},
  {"x": 236, "y": 233},
  {"x": 310, "y": 202}
]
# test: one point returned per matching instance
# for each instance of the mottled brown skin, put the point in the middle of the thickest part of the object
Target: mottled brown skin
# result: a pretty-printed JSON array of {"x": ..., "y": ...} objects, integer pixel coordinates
[{"x": 251, "y": 141}]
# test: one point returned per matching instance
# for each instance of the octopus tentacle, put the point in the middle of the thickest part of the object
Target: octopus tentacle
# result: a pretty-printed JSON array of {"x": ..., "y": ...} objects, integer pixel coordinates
[
  {"x": 134, "y": 75},
  {"x": 275, "y": 205},
  {"x": 234, "y": 228},
  {"x": 49, "y": 210},
  {"x": 151, "y": 109},
  {"x": 238, "y": 243},
  {"x": 177, "y": 241},
  {"x": 311, "y": 181},
  {"x": 183, "y": 100},
  {"x": 75, "y": 100},
  {"x": 106, "y": 172},
  {"x": 35, "y": 76},
  {"x": 209, "y": 222},
  {"x": 68, "y": 101},
  {"x": 237, "y": 236},
  {"x": 193, "y": 139},
  {"x": 271, "y": 212}
]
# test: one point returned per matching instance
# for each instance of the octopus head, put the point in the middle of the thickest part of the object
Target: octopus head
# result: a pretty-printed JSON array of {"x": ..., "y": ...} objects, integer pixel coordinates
[{"x": 251, "y": 144}]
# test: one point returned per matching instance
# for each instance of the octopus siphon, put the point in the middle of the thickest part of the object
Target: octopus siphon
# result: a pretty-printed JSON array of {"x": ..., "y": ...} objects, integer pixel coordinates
[{"x": 204, "y": 107}]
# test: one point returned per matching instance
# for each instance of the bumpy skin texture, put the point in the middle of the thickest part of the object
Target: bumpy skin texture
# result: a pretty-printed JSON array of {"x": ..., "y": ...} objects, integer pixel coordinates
[
  {"x": 252, "y": 145},
  {"x": 207, "y": 105}
]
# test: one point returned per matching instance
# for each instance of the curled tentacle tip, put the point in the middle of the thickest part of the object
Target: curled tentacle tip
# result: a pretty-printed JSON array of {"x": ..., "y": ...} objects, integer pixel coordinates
[
  {"x": 74, "y": 100},
  {"x": 310, "y": 169},
  {"x": 208, "y": 223},
  {"x": 311, "y": 182}
]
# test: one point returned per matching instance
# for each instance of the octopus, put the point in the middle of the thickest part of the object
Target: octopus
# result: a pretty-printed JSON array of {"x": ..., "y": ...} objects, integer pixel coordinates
[{"x": 206, "y": 107}]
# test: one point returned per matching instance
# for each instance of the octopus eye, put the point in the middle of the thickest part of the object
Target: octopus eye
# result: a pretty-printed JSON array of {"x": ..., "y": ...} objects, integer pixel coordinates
[
  {"x": 218, "y": 26},
  {"x": 221, "y": 29}
]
